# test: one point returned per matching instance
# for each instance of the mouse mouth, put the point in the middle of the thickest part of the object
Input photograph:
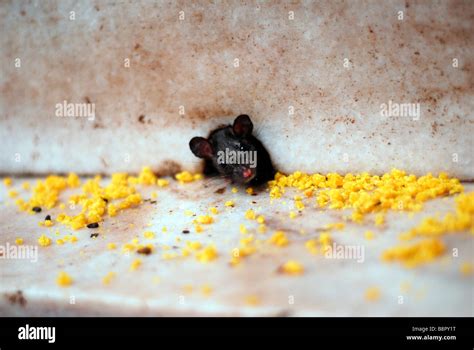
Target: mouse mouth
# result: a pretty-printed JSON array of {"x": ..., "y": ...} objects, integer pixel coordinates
[{"x": 247, "y": 175}]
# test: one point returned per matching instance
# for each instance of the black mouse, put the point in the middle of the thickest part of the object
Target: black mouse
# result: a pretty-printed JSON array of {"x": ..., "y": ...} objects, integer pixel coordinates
[{"x": 232, "y": 151}]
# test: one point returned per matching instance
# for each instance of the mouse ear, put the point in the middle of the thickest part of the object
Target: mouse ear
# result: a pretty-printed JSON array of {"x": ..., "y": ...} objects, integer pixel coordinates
[
  {"x": 200, "y": 147},
  {"x": 242, "y": 125}
]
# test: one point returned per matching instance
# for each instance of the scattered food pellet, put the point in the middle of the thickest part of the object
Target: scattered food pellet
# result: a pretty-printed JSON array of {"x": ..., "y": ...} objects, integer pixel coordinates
[
  {"x": 252, "y": 300},
  {"x": 63, "y": 279},
  {"x": 108, "y": 278},
  {"x": 135, "y": 264},
  {"x": 372, "y": 294},
  {"x": 291, "y": 267},
  {"x": 19, "y": 241},
  {"x": 44, "y": 241}
]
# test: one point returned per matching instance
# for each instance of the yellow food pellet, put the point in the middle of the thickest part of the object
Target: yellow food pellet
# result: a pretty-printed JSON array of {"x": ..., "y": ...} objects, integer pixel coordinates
[
  {"x": 194, "y": 245},
  {"x": 186, "y": 177},
  {"x": 19, "y": 241},
  {"x": 372, "y": 294},
  {"x": 214, "y": 210},
  {"x": 154, "y": 195},
  {"x": 291, "y": 267},
  {"x": 205, "y": 219},
  {"x": 312, "y": 246},
  {"x": 262, "y": 228},
  {"x": 379, "y": 219},
  {"x": 162, "y": 182},
  {"x": 111, "y": 246},
  {"x": 369, "y": 235},
  {"x": 299, "y": 205},
  {"x": 466, "y": 268},
  {"x": 293, "y": 215},
  {"x": 229, "y": 203},
  {"x": 149, "y": 235},
  {"x": 135, "y": 264},
  {"x": 325, "y": 238},
  {"x": 12, "y": 193},
  {"x": 198, "y": 228},
  {"x": 188, "y": 288},
  {"x": 250, "y": 214},
  {"x": 415, "y": 254},
  {"x": 234, "y": 190},
  {"x": 108, "y": 278},
  {"x": 260, "y": 219},
  {"x": 252, "y": 300},
  {"x": 243, "y": 229},
  {"x": 249, "y": 190},
  {"x": 63, "y": 279},
  {"x": 279, "y": 239},
  {"x": 26, "y": 185},
  {"x": 7, "y": 181},
  {"x": 206, "y": 290},
  {"x": 44, "y": 241},
  {"x": 59, "y": 241},
  {"x": 208, "y": 254}
]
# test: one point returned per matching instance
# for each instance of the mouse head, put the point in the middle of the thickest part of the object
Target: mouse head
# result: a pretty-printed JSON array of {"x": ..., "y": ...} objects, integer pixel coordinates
[{"x": 231, "y": 149}]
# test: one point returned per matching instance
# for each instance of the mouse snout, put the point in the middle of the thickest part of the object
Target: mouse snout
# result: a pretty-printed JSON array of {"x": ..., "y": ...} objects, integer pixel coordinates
[{"x": 246, "y": 173}]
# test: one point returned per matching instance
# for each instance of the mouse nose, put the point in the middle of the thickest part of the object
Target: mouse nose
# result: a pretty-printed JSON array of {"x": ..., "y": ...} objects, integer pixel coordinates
[{"x": 247, "y": 173}]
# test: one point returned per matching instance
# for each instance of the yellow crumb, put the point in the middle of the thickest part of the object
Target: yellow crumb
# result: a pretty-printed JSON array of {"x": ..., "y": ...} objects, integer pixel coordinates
[
  {"x": 229, "y": 203},
  {"x": 63, "y": 279},
  {"x": 108, "y": 278},
  {"x": 293, "y": 215},
  {"x": 279, "y": 239},
  {"x": 7, "y": 181},
  {"x": 148, "y": 235},
  {"x": 162, "y": 182},
  {"x": 250, "y": 214},
  {"x": 135, "y": 264},
  {"x": 19, "y": 241},
  {"x": 208, "y": 254},
  {"x": 206, "y": 290},
  {"x": 205, "y": 219},
  {"x": 252, "y": 300},
  {"x": 111, "y": 246},
  {"x": 44, "y": 241},
  {"x": 249, "y": 190},
  {"x": 369, "y": 235},
  {"x": 466, "y": 268},
  {"x": 214, "y": 210},
  {"x": 291, "y": 267},
  {"x": 234, "y": 190},
  {"x": 415, "y": 254},
  {"x": 372, "y": 294}
]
